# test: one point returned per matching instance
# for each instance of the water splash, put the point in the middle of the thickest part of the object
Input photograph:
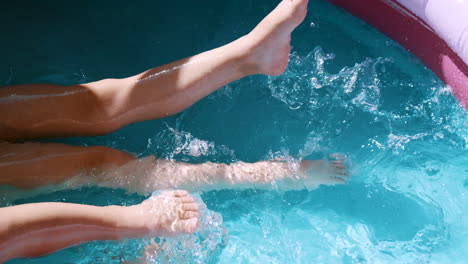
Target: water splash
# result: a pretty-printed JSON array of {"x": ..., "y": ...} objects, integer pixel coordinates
[
  {"x": 200, "y": 247},
  {"x": 181, "y": 145},
  {"x": 300, "y": 85}
]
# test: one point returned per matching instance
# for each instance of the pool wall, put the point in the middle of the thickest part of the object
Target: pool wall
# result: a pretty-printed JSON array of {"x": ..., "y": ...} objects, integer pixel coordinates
[{"x": 435, "y": 31}]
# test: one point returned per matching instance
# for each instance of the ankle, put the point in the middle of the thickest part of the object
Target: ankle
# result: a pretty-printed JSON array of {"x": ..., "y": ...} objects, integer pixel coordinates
[{"x": 249, "y": 63}]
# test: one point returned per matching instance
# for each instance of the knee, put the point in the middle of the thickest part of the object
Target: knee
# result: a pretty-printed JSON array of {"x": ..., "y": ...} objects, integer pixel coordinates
[{"x": 102, "y": 113}]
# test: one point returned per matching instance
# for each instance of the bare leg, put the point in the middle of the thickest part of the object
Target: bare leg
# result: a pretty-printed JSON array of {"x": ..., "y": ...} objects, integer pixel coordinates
[
  {"x": 31, "y": 165},
  {"x": 148, "y": 174},
  {"x": 30, "y": 111},
  {"x": 32, "y": 230}
]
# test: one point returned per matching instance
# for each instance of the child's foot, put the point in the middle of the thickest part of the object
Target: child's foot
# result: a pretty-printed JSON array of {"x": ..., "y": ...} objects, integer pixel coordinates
[
  {"x": 317, "y": 172},
  {"x": 269, "y": 43},
  {"x": 169, "y": 214}
]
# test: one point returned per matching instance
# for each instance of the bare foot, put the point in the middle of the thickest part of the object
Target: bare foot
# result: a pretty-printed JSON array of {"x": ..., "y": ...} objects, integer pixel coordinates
[
  {"x": 317, "y": 172},
  {"x": 169, "y": 214},
  {"x": 269, "y": 42}
]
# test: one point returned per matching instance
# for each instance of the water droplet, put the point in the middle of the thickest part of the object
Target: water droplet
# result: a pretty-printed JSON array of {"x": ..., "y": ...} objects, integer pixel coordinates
[
  {"x": 312, "y": 24},
  {"x": 330, "y": 56}
]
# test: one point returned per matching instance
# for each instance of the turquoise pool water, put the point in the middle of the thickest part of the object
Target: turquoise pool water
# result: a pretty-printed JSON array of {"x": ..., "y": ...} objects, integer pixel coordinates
[{"x": 348, "y": 89}]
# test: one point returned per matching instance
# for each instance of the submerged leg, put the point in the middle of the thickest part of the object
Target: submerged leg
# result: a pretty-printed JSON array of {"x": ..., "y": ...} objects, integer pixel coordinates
[
  {"x": 29, "y": 165},
  {"x": 148, "y": 174},
  {"x": 30, "y": 111}
]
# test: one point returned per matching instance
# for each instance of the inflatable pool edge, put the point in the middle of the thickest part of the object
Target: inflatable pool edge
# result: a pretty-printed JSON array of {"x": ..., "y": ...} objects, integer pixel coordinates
[{"x": 413, "y": 33}]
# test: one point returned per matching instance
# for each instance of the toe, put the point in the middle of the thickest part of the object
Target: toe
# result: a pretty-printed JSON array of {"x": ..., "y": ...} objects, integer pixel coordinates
[
  {"x": 180, "y": 193},
  {"x": 187, "y": 199},
  {"x": 189, "y": 214},
  {"x": 190, "y": 206},
  {"x": 340, "y": 181},
  {"x": 342, "y": 173},
  {"x": 338, "y": 157},
  {"x": 339, "y": 165},
  {"x": 188, "y": 226},
  {"x": 192, "y": 225}
]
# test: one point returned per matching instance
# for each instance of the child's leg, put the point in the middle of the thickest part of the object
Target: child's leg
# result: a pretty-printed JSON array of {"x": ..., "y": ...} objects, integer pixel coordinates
[
  {"x": 31, "y": 165},
  {"x": 30, "y": 111},
  {"x": 32, "y": 230},
  {"x": 149, "y": 174}
]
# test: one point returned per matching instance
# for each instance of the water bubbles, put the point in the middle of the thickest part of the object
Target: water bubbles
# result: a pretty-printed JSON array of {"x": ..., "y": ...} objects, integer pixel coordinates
[
  {"x": 330, "y": 56},
  {"x": 200, "y": 247},
  {"x": 313, "y": 102},
  {"x": 180, "y": 143},
  {"x": 307, "y": 74},
  {"x": 312, "y": 25},
  {"x": 315, "y": 84},
  {"x": 198, "y": 147},
  {"x": 432, "y": 170},
  {"x": 400, "y": 141}
]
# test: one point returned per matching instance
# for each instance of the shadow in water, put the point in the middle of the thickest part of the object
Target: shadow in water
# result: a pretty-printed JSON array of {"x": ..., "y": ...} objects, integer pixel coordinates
[{"x": 87, "y": 195}]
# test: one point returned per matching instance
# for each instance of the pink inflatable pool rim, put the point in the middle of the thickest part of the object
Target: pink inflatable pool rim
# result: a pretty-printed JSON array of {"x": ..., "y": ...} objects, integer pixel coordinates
[{"x": 436, "y": 31}]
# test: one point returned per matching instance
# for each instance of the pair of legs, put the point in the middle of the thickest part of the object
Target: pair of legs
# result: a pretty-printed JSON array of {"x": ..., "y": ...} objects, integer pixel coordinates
[{"x": 44, "y": 110}]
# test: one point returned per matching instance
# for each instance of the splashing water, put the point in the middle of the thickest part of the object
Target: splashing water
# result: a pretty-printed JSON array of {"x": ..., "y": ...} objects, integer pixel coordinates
[
  {"x": 358, "y": 85},
  {"x": 200, "y": 247},
  {"x": 181, "y": 145}
]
